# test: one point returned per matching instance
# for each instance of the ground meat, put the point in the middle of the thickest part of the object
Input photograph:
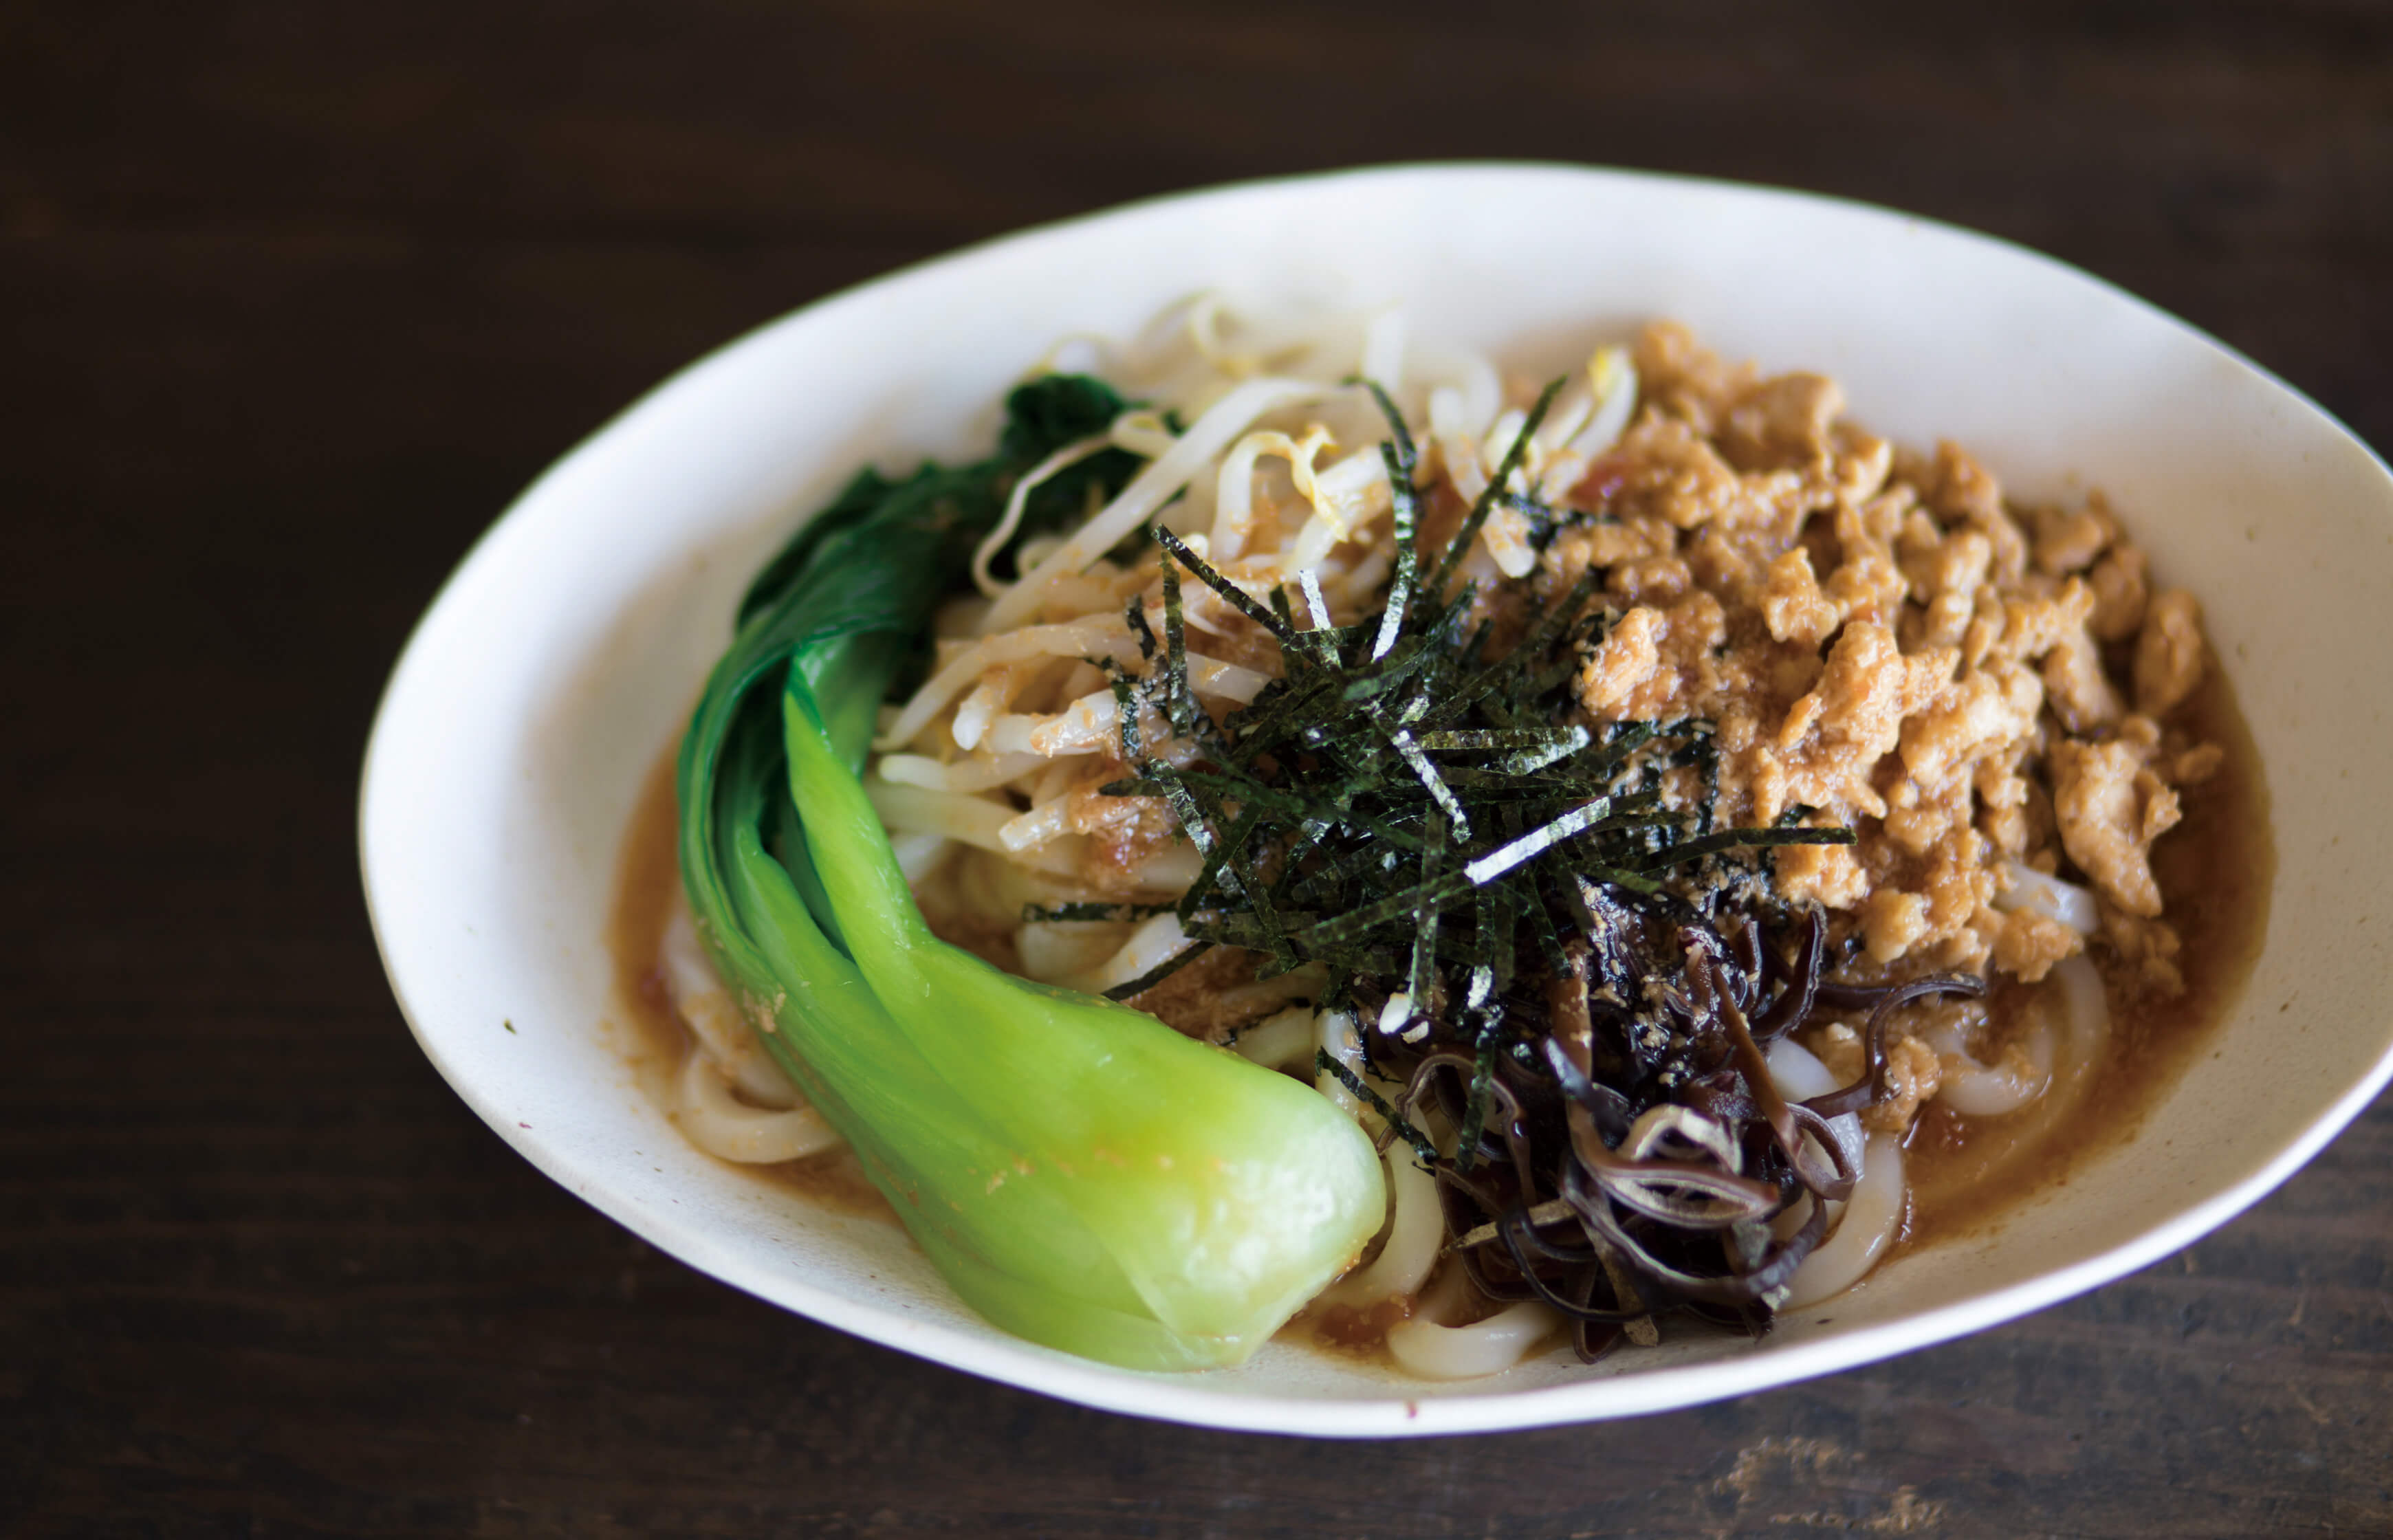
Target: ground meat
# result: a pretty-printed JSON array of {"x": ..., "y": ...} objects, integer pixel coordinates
[
  {"x": 2111, "y": 807},
  {"x": 2120, "y": 594},
  {"x": 2168, "y": 653},
  {"x": 1123, "y": 832},
  {"x": 1913, "y": 1072},
  {"x": 1630, "y": 657},
  {"x": 1827, "y": 749},
  {"x": 1206, "y": 1000},
  {"x": 2028, "y": 945},
  {"x": 1886, "y": 639}
]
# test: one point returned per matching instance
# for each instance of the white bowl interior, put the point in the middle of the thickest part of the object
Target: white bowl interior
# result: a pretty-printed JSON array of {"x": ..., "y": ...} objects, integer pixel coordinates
[{"x": 562, "y": 657}]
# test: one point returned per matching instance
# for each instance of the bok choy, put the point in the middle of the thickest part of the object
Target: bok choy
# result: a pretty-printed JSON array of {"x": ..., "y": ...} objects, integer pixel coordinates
[{"x": 1083, "y": 1175}]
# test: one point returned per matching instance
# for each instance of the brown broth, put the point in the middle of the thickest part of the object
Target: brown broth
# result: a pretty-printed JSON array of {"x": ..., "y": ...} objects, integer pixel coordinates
[
  {"x": 1966, "y": 1175},
  {"x": 648, "y": 878},
  {"x": 2216, "y": 869}
]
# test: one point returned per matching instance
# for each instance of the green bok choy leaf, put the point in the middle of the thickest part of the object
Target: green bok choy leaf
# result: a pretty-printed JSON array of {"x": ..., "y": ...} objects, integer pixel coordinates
[{"x": 1082, "y": 1174}]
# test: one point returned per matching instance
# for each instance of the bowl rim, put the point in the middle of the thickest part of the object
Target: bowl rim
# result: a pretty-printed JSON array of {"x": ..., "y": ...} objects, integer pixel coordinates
[{"x": 1187, "y": 1399}]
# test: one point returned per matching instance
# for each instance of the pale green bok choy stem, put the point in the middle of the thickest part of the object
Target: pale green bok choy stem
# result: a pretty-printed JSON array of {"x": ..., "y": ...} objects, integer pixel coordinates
[{"x": 1083, "y": 1175}]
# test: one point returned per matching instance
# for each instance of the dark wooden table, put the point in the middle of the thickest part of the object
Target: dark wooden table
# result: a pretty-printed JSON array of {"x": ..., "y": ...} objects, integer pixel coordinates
[{"x": 295, "y": 296}]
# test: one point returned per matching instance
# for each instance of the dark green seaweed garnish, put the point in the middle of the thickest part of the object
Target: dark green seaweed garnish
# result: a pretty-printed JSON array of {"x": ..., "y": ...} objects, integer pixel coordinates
[
  {"x": 1502, "y": 888},
  {"x": 1395, "y": 1120}
]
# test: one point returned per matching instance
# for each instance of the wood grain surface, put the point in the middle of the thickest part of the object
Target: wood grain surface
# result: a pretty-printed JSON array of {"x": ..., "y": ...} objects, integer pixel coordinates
[{"x": 297, "y": 296}]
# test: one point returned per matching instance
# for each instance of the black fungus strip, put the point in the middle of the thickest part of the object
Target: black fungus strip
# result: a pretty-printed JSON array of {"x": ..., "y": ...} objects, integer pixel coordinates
[
  {"x": 1474, "y": 1107},
  {"x": 1795, "y": 1003},
  {"x": 1519, "y": 1238},
  {"x": 1872, "y": 1087},
  {"x": 1420, "y": 812}
]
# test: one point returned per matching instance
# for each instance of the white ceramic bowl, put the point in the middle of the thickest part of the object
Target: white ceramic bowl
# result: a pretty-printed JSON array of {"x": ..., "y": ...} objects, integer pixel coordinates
[{"x": 562, "y": 656}]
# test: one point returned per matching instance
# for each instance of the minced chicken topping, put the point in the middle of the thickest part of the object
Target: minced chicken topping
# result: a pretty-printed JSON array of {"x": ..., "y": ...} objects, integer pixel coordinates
[{"x": 1980, "y": 689}]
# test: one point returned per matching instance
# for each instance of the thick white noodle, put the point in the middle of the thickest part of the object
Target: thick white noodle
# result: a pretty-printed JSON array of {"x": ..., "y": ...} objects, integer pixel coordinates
[
  {"x": 2026, "y": 889},
  {"x": 1339, "y": 1040},
  {"x": 2030, "y": 1068},
  {"x": 920, "y": 855},
  {"x": 772, "y": 1123},
  {"x": 1415, "y": 1234},
  {"x": 2088, "y": 1007},
  {"x": 1167, "y": 868},
  {"x": 1861, "y": 1235},
  {"x": 1976, "y": 1090},
  {"x": 1153, "y": 487},
  {"x": 1153, "y": 942},
  {"x": 1054, "y": 951},
  {"x": 724, "y": 1038},
  {"x": 1423, "y": 1347},
  {"x": 1799, "y": 1076},
  {"x": 721, "y": 1125},
  {"x": 1282, "y": 1042}
]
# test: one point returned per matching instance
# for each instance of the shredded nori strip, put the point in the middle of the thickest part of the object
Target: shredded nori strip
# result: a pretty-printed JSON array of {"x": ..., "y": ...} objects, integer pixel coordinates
[
  {"x": 1237, "y": 598},
  {"x": 1160, "y": 971},
  {"x": 1179, "y": 701},
  {"x": 1395, "y": 1120},
  {"x": 1135, "y": 615},
  {"x": 1035, "y": 913},
  {"x": 1419, "y": 805},
  {"x": 1406, "y": 517},
  {"x": 1496, "y": 486}
]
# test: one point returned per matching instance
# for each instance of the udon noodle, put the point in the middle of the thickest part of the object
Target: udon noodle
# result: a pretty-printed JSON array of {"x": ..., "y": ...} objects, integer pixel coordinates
[{"x": 1871, "y": 640}]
